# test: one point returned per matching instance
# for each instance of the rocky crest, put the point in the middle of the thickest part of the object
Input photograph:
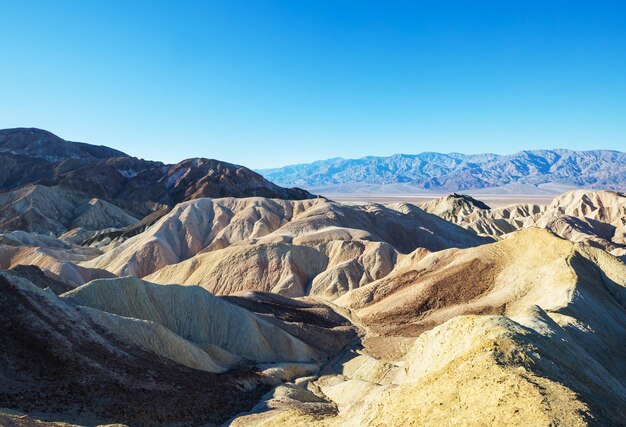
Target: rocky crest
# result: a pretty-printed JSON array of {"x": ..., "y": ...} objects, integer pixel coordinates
[{"x": 72, "y": 175}]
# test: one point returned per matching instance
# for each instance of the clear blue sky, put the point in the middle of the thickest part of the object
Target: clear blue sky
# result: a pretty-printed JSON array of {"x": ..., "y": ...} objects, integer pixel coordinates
[{"x": 269, "y": 83}]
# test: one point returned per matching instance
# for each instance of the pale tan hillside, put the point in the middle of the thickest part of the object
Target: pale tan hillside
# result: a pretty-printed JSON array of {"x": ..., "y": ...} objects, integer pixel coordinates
[
  {"x": 471, "y": 370},
  {"x": 162, "y": 341},
  {"x": 499, "y": 221},
  {"x": 62, "y": 263},
  {"x": 476, "y": 216},
  {"x": 399, "y": 318},
  {"x": 597, "y": 218},
  {"x": 210, "y": 224},
  {"x": 527, "y": 331},
  {"x": 78, "y": 235},
  {"x": 604, "y": 206},
  {"x": 96, "y": 214},
  {"x": 279, "y": 268},
  {"x": 196, "y": 315},
  {"x": 329, "y": 269},
  {"x": 56, "y": 358},
  {"x": 55, "y": 210},
  {"x": 531, "y": 267},
  {"x": 352, "y": 264}
]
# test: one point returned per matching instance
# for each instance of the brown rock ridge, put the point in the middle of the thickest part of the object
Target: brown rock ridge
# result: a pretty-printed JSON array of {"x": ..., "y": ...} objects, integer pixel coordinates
[{"x": 71, "y": 175}]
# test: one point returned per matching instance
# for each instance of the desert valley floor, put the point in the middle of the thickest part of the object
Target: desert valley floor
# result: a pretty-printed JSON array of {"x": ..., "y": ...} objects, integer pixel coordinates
[{"x": 138, "y": 293}]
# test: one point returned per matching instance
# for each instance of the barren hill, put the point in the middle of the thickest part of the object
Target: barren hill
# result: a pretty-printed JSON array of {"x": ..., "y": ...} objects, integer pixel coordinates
[
  {"x": 276, "y": 245},
  {"x": 283, "y": 309},
  {"x": 72, "y": 174},
  {"x": 597, "y": 218},
  {"x": 526, "y": 331}
]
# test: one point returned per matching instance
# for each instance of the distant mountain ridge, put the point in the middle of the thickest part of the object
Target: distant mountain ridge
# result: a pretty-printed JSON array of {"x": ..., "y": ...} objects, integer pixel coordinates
[{"x": 603, "y": 169}]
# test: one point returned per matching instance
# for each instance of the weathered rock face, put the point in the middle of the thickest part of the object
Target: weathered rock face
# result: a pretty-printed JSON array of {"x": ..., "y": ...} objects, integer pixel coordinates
[
  {"x": 525, "y": 331},
  {"x": 597, "y": 218},
  {"x": 293, "y": 248},
  {"x": 531, "y": 267},
  {"x": 197, "y": 178},
  {"x": 197, "y": 315},
  {"x": 277, "y": 267},
  {"x": 357, "y": 315},
  {"x": 453, "y": 172},
  {"x": 116, "y": 347},
  {"x": 454, "y": 206},
  {"x": 532, "y": 323},
  {"x": 312, "y": 321},
  {"x": 37, "y": 156},
  {"x": 60, "y": 263},
  {"x": 54, "y": 210},
  {"x": 57, "y": 358}
]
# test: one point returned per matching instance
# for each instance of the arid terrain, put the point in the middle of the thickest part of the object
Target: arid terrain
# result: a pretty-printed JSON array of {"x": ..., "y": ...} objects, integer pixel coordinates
[
  {"x": 138, "y": 293},
  {"x": 491, "y": 199}
]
